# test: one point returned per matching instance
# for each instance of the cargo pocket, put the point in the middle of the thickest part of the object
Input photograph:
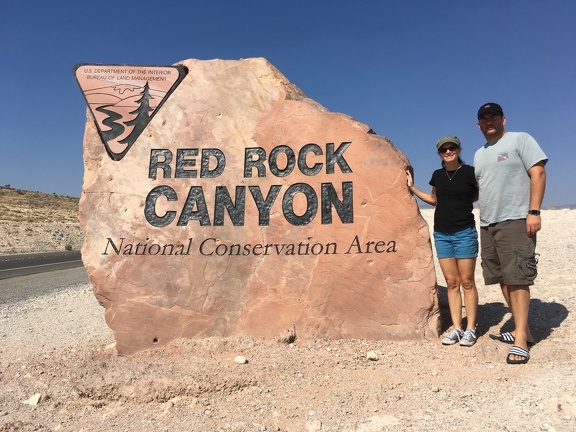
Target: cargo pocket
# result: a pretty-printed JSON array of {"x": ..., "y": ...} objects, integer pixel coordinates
[{"x": 526, "y": 264}]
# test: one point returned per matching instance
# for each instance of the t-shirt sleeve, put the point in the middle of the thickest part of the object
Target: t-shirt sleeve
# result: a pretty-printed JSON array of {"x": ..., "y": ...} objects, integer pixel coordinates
[
  {"x": 432, "y": 181},
  {"x": 530, "y": 152}
]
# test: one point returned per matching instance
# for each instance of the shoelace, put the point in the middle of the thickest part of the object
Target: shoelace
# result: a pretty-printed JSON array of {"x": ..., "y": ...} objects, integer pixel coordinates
[{"x": 455, "y": 332}]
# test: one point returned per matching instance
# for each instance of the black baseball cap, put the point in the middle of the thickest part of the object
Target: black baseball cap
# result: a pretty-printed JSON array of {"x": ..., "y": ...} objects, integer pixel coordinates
[{"x": 490, "y": 107}]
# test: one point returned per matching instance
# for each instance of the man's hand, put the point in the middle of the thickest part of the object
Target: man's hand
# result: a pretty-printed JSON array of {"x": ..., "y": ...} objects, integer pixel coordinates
[{"x": 533, "y": 224}]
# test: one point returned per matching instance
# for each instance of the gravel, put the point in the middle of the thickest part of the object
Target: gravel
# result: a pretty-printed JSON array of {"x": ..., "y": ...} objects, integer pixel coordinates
[{"x": 59, "y": 370}]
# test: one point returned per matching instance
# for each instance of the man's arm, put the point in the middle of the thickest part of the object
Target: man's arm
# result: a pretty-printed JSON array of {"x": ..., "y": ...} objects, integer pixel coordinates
[{"x": 537, "y": 186}]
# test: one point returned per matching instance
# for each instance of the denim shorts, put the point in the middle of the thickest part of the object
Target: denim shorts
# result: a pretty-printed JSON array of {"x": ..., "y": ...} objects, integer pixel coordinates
[
  {"x": 459, "y": 244},
  {"x": 508, "y": 254}
]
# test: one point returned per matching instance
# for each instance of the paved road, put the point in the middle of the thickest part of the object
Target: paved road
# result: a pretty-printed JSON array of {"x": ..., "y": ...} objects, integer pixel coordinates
[
  {"x": 27, "y": 264},
  {"x": 26, "y": 287},
  {"x": 23, "y": 277}
]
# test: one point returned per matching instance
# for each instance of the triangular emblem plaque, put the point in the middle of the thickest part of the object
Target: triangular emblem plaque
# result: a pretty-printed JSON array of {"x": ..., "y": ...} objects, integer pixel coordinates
[{"x": 123, "y": 99}]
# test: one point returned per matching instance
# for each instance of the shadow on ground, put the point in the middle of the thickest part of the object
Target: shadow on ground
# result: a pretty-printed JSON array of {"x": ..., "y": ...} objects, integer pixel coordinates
[{"x": 544, "y": 316}]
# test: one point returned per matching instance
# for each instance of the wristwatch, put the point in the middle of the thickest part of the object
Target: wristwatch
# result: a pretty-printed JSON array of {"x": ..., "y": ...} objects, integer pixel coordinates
[{"x": 534, "y": 212}]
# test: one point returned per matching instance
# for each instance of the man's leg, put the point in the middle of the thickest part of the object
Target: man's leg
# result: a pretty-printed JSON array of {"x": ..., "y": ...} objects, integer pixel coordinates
[
  {"x": 517, "y": 254},
  {"x": 519, "y": 297},
  {"x": 505, "y": 293}
]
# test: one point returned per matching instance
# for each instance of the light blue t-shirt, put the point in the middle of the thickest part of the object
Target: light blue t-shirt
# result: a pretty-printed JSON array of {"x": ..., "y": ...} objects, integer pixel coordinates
[{"x": 502, "y": 174}]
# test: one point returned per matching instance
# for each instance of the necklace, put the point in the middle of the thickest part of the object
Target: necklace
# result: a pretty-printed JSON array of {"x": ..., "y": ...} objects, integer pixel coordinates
[{"x": 448, "y": 175}]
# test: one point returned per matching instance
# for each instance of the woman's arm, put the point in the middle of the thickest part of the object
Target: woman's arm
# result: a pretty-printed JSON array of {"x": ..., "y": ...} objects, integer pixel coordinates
[{"x": 428, "y": 198}]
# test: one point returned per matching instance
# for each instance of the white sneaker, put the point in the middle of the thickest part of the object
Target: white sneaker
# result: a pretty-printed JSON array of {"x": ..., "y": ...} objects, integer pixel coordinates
[
  {"x": 468, "y": 338},
  {"x": 452, "y": 337}
]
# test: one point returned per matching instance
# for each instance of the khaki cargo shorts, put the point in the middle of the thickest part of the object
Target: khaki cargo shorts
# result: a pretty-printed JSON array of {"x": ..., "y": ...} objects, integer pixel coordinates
[{"x": 508, "y": 254}]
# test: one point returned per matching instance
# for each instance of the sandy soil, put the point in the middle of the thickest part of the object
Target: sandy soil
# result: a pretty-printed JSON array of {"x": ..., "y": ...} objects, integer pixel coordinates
[{"x": 59, "y": 370}]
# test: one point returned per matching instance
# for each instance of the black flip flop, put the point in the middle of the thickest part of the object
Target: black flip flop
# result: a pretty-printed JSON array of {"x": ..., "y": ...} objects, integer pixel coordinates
[
  {"x": 521, "y": 352},
  {"x": 506, "y": 337}
]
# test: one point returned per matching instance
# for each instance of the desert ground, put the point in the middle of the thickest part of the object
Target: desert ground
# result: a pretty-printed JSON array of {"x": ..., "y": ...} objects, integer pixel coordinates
[{"x": 59, "y": 370}]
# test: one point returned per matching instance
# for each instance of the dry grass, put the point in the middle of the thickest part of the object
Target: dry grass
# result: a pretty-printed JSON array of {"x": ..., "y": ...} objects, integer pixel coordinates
[{"x": 19, "y": 205}]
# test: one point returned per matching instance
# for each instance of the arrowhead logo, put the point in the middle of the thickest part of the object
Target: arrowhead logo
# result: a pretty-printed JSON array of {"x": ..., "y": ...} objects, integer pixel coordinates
[{"x": 123, "y": 99}]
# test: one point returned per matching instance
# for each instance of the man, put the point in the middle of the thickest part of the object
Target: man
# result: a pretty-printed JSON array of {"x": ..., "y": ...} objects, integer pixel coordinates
[{"x": 511, "y": 177}]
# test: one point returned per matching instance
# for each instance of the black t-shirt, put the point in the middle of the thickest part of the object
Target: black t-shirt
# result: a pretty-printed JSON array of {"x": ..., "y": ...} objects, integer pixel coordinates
[{"x": 454, "y": 199}]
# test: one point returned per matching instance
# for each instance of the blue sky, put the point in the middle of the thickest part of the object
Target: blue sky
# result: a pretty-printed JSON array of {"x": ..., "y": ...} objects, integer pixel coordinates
[{"x": 411, "y": 70}]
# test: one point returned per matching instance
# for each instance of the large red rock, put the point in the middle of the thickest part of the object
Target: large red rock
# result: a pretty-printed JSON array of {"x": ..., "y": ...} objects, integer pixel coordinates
[{"x": 171, "y": 251}]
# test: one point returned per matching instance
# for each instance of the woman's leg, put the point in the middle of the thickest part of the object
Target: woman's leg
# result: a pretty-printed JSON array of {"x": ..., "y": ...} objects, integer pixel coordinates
[
  {"x": 466, "y": 268},
  {"x": 450, "y": 271}
]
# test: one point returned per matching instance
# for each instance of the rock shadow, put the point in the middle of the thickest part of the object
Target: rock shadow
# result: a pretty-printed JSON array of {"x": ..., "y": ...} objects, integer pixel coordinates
[{"x": 444, "y": 308}]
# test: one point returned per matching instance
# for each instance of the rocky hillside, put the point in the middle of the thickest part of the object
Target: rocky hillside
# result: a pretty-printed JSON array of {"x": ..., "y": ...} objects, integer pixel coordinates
[{"x": 37, "y": 222}]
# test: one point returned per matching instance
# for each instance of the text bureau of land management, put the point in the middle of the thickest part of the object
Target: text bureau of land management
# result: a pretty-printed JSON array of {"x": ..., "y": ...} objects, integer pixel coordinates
[{"x": 215, "y": 247}]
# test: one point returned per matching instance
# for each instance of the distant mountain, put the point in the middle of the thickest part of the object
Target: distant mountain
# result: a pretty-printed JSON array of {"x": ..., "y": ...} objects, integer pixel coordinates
[
  {"x": 20, "y": 205},
  {"x": 558, "y": 207}
]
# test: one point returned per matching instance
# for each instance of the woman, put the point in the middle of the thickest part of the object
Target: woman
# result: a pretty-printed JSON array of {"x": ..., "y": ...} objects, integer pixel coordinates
[{"x": 454, "y": 190}]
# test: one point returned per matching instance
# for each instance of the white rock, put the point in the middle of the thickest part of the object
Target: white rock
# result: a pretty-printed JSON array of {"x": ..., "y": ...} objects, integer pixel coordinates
[
  {"x": 33, "y": 400},
  {"x": 372, "y": 355},
  {"x": 313, "y": 426},
  {"x": 241, "y": 359}
]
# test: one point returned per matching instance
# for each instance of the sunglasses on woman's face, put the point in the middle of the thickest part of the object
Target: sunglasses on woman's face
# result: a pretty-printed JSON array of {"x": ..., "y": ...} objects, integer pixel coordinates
[{"x": 443, "y": 150}]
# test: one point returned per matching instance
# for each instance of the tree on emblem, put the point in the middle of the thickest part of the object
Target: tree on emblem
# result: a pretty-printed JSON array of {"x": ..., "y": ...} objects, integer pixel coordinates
[{"x": 142, "y": 116}]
